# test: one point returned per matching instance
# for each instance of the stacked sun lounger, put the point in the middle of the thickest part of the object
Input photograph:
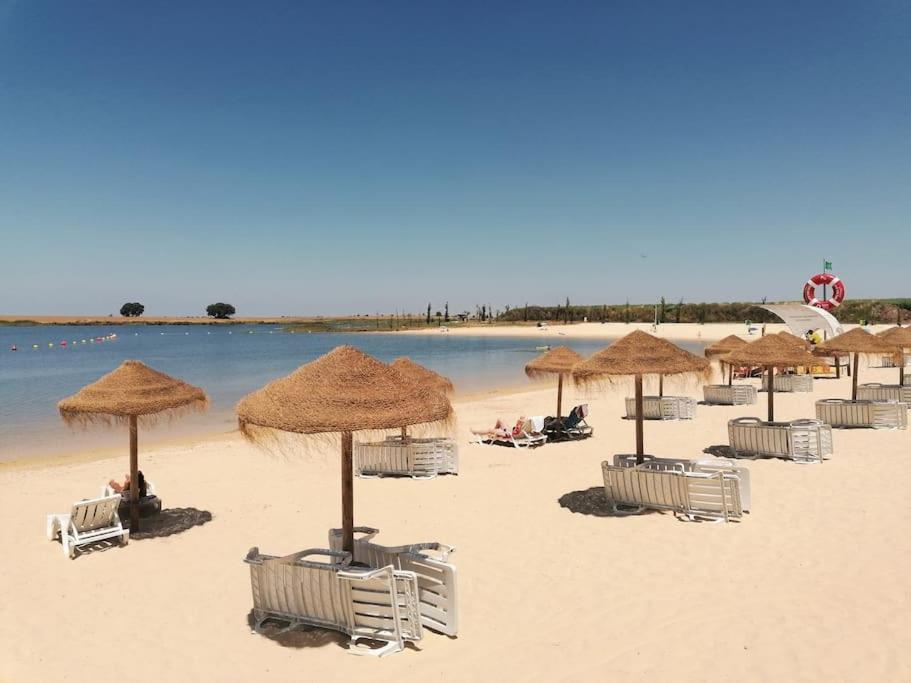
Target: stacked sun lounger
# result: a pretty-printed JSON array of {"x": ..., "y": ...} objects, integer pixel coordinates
[
  {"x": 663, "y": 408},
  {"x": 804, "y": 441},
  {"x": 688, "y": 494},
  {"x": 410, "y": 457},
  {"x": 705, "y": 466},
  {"x": 375, "y": 604},
  {"x": 874, "y": 414},
  {"x": 729, "y": 395},
  {"x": 430, "y": 562},
  {"x": 788, "y": 383},
  {"x": 884, "y": 392}
]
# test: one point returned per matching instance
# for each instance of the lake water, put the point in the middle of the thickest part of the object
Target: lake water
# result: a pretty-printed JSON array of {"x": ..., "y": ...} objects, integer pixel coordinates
[{"x": 228, "y": 362}]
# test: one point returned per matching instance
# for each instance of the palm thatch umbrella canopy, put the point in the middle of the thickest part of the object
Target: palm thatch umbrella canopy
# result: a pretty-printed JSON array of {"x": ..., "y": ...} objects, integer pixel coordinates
[
  {"x": 901, "y": 337},
  {"x": 795, "y": 340},
  {"x": 638, "y": 354},
  {"x": 343, "y": 391},
  {"x": 723, "y": 347},
  {"x": 132, "y": 391},
  {"x": 420, "y": 375},
  {"x": 770, "y": 352},
  {"x": 859, "y": 342},
  {"x": 559, "y": 361}
]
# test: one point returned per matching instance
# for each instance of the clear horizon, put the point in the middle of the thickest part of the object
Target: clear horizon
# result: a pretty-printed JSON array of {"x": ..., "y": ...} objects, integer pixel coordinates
[{"x": 308, "y": 159}]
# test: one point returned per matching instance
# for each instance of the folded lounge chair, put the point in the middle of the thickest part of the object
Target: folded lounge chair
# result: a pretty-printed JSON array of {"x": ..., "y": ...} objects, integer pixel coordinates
[
  {"x": 89, "y": 521},
  {"x": 729, "y": 395},
  {"x": 705, "y": 466},
  {"x": 663, "y": 408},
  {"x": 803, "y": 441},
  {"x": 571, "y": 427},
  {"x": 416, "y": 458},
  {"x": 786, "y": 383},
  {"x": 528, "y": 435},
  {"x": 437, "y": 595},
  {"x": 875, "y": 414},
  {"x": 373, "y": 604},
  {"x": 689, "y": 495},
  {"x": 884, "y": 392}
]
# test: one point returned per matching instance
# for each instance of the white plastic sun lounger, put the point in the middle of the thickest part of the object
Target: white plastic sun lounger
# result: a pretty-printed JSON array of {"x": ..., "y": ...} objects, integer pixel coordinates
[
  {"x": 803, "y": 441},
  {"x": 89, "y": 521},
  {"x": 705, "y": 466},
  {"x": 437, "y": 592},
  {"x": 786, "y": 383},
  {"x": 876, "y": 414},
  {"x": 729, "y": 395},
  {"x": 663, "y": 408},
  {"x": 373, "y": 604},
  {"x": 689, "y": 495},
  {"x": 884, "y": 392},
  {"x": 416, "y": 458}
]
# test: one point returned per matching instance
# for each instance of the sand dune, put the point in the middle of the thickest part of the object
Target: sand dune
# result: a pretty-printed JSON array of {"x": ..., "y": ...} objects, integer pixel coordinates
[{"x": 811, "y": 586}]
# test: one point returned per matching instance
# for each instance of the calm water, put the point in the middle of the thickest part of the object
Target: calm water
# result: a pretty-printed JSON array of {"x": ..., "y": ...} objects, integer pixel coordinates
[{"x": 227, "y": 363}]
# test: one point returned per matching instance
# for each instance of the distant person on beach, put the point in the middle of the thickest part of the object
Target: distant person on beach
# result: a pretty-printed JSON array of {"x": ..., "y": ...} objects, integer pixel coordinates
[
  {"x": 124, "y": 488},
  {"x": 501, "y": 430}
]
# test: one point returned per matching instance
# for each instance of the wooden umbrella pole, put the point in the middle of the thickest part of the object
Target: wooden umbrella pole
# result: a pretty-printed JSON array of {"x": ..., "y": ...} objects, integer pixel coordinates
[
  {"x": 640, "y": 450},
  {"x": 660, "y": 386},
  {"x": 730, "y": 375},
  {"x": 559, "y": 395},
  {"x": 837, "y": 368},
  {"x": 347, "y": 493},
  {"x": 134, "y": 475},
  {"x": 404, "y": 434},
  {"x": 771, "y": 394},
  {"x": 901, "y": 371},
  {"x": 854, "y": 377}
]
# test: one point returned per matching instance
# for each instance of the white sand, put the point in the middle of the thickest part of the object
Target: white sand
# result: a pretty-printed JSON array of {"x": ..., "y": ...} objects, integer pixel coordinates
[
  {"x": 554, "y": 332},
  {"x": 813, "y": 585}
]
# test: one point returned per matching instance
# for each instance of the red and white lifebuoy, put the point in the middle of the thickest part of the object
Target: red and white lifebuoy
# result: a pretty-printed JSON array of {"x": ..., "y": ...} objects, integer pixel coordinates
[{"x": 838, "y": 291}]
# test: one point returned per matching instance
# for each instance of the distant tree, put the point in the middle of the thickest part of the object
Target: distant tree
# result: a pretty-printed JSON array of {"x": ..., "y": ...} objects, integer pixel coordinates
[
  {"x": 568, "y": 315},
  {"x": 483, "y": 312},
  {"x": 439, "y": 317},
  {"x": 663, "y": 309},
  {"x": 679, "y": 311},
  {"x": 446, "y": 312},
  {"x": 428, "y": 313},
  {"x": 220, "y": 311},
  {"x": 132, "y": 310},
  {"x": 525, "y": 314}
]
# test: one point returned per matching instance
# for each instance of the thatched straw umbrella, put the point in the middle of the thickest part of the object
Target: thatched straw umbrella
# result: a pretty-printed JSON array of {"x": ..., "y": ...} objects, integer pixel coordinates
[
  {"x": 723, "y": 347},
  {"x": 770, "y": 352},
  {"x": 858, "y": 342},
  {"x": 901, "y": 337},
  {"x": 796, "y": 341},
  {"x": 342, "y": 392},
  {"x": 558, "y": 361},
  {"x": 638, "y": 354},
  {"x": 132, "y": 391},
  {"x": 419, "y": 374}
]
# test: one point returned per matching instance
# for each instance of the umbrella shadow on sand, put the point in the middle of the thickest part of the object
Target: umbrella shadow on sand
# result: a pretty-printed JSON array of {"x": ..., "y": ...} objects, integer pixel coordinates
[
  {"x": 592, "y": 502},
  {"x": 720, "y": 451},
  {"x": 169, "y": 522}
]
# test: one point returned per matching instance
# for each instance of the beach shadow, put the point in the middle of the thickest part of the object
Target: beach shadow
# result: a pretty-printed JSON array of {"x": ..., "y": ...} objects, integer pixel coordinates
[
  {"x": 170, "y": 522},
  {"x": 592, "y": 502},
  {"x": 298, "y": 637},
  {"x": 720, "y": 451}
]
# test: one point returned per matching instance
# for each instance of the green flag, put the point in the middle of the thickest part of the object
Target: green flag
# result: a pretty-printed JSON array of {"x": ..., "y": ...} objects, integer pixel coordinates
[{"x": 827, "y": 265}]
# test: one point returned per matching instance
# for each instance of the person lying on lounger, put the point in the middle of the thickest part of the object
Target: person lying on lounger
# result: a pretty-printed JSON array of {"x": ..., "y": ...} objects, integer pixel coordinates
[
  {"x": 501, "y": 430},
  {"x": 124, "y": 488}
]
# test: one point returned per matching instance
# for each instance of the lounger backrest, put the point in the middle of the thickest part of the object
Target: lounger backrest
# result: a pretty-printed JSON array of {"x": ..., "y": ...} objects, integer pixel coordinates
[
  {"x": 98, "y": 513},
  {"x": 715, "y": 494},
  {"x": 729, "y": 467},
  {"x": 384, "y": 604},
  {"x": 437, "y": 592},
  {"x": 642, "y": 487}
]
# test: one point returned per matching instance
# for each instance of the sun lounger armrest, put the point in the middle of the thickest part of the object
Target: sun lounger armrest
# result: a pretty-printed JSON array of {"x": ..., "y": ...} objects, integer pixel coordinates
[
  {"x": 746, "y": 421},
  {"x": 366, "y": 532},
  {"x": 805, "y": 422},
  {"x": 443, "y": 549},
  {"x": 367, "y": 574},
  {"x": 343, "y": 557}
]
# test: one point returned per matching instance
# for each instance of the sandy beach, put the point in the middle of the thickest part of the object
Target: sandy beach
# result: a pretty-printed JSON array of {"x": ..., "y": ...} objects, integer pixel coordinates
[
  {"x": 810, "y": 586},
  {"x": 553, "y": 332}
]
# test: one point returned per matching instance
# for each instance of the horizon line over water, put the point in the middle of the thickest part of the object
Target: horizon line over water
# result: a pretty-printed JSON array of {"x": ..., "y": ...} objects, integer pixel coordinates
[{"x": 227, "y": 362}]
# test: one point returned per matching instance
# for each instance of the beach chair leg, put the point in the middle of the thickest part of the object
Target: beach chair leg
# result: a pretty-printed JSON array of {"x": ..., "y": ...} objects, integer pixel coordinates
[
  {"x": 125, "y": 538},
  {"x": 366, "y": 651}
]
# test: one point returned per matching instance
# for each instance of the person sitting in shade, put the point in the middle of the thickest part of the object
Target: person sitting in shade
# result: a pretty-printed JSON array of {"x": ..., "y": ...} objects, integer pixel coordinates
[
  {"x": 124, "y": 488},
  {"x": 501, "y": 430}
]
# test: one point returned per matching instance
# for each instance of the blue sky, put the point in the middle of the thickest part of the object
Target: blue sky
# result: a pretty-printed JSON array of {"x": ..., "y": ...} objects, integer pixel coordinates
[{"x": 302, "y": 158}]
